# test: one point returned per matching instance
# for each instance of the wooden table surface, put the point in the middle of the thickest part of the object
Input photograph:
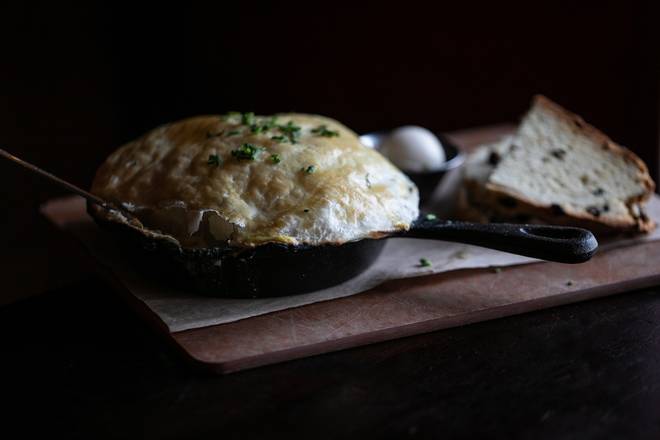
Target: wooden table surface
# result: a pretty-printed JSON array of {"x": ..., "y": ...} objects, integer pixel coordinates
[
  {"x": 588, "y": 370},
  {"x": 76, "y": 361}
]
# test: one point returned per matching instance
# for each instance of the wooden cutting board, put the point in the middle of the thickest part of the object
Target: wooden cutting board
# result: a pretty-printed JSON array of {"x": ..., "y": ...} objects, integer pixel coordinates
[{"x": 412, "y": 306}]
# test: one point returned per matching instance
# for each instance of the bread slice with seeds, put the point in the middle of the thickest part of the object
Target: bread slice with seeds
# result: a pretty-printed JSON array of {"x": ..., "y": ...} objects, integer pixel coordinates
[
  {"x": 475, "y": 202},
  {"x": 558, "y": 169}
]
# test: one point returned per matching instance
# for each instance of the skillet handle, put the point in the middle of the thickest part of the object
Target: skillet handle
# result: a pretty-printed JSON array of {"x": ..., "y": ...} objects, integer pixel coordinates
[{"x": 552, "y": 243}]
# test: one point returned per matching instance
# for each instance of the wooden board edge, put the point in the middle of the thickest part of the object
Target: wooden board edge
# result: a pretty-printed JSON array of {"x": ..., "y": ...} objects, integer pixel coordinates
[{"x": 419, "y": 328}]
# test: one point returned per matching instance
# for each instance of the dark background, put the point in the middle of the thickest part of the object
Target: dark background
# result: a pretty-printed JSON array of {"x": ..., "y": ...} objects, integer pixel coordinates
[{"x": 78, "y": 81}]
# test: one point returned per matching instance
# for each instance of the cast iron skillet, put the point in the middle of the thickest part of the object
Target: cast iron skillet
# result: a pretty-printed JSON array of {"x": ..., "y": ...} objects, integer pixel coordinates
[{"x": 275, "y": 269}]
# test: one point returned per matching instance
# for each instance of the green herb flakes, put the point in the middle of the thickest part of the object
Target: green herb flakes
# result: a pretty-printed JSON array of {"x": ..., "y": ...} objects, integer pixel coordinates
[
  {"x": 214, "y": 160},
  {"x": 262, "y": 127},
  {"x": 291, "y": 131},
  {"x": 270, "y": 124},
  {"x": 275, "y": 158},
  {"x": 247, "y": 118},
  {"x": 232, "y": 133},
  {"x": 423, "y": 262},
  {"x": 309, "y": 170},
  {"x": 279, "y": 139},
  {"x": 322, "y": 130},
  {"x": 247, "y": 152}
]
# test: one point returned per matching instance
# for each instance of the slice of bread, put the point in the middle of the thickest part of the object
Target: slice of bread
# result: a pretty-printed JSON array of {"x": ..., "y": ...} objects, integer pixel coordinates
[{"x": 557, "y": 169}]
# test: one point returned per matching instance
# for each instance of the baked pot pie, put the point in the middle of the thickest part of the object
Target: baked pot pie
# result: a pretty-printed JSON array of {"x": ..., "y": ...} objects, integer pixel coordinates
[{"x": 246, "y": 206}]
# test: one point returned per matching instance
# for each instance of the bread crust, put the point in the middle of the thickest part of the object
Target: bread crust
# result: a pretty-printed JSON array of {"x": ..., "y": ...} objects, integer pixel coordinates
[
  {"x": 322, "y": 189},
  {"x": 602, "y": 139},
  {"x": 480, "y": 197}
]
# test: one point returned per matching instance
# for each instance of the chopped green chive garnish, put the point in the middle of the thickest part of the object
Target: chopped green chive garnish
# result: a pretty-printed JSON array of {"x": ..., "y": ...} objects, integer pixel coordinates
[
  {"x": 214, "y": 159},
  {"x": 256, "y": 128},
  {"x": 247, "y": 152},
  {"x": 232, "y": 133},
  {"x": 291, "y": 131},
  {"x": 423, "y": 262},
  {"x": 275, "y": 158},
  {"x": 322, "y": 130},
  {"x": 431, "y": 216},
  {"x": 271, "y": 123},
  {"x": 309, "y": 170},
  {"x": 247, "y": 118},
  {"x": 278, "y": 139}
]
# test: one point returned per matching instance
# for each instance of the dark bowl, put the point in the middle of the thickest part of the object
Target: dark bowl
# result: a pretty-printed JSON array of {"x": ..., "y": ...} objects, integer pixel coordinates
[{"x": 426, "y": 182}]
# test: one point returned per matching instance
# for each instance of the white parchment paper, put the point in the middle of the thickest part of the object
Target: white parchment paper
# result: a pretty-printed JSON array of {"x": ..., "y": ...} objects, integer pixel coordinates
[{"x": 182, "y": 310}]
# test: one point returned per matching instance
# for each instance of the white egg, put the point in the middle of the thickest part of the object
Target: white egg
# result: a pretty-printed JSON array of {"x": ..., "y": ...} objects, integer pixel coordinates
[{"x": 413, "y": 148}]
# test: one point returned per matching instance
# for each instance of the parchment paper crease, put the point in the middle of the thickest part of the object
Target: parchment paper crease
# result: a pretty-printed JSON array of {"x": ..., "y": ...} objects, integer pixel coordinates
[{"x": 181, "y": 310}]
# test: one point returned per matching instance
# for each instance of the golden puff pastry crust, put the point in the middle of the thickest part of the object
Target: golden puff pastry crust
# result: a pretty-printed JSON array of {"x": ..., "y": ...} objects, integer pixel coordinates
[{"x": 302, "y": 179}]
